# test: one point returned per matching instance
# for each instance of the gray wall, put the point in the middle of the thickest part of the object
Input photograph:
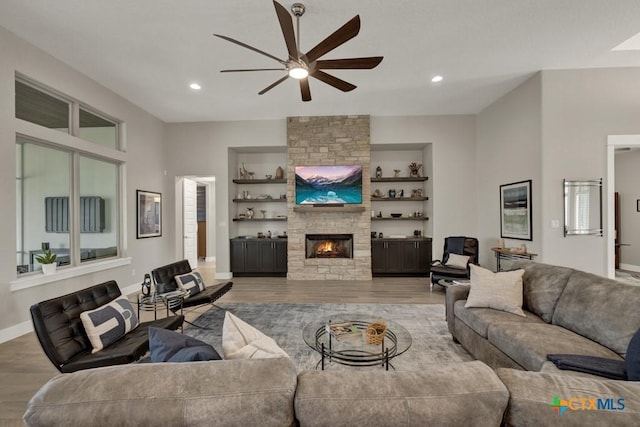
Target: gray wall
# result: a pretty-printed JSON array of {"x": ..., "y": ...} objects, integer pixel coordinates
[
  {"x": 508, "y": 149},
  {"x": 627, "y": 185},
  {"x": 146, "y": 162}
]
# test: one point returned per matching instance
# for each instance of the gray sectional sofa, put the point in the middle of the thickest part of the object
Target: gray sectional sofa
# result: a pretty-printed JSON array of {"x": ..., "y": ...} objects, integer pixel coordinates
[{"x": 567, "y": 312}]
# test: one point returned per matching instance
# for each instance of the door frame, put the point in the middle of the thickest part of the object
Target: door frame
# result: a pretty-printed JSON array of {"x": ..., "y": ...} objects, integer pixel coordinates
[
  {"x": 210, "y": 183},
  {"x": 613, "y": 142}
]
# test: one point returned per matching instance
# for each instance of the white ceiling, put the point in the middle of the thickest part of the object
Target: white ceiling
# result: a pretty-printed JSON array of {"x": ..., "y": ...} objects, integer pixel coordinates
[{"x": 148, "y": 51}]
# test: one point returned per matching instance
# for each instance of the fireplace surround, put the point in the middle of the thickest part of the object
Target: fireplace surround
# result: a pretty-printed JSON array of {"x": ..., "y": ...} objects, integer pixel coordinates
[{"x": 328, "y": 246}]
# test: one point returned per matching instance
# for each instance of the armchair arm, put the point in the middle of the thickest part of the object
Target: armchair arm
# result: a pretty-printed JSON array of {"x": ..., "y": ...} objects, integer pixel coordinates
[{"x": 453, "y": 294}]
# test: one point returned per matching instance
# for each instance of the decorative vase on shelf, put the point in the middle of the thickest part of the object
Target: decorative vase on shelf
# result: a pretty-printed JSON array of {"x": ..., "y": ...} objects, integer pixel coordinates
[
  {"x": 279, "y": 173},
  {"x": 249, "y": 213},
  {"x": 378, "y": 172}
]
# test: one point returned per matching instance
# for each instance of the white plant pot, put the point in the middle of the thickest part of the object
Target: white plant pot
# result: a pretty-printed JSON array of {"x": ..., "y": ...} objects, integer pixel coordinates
[{"x": 49, "y": 268}]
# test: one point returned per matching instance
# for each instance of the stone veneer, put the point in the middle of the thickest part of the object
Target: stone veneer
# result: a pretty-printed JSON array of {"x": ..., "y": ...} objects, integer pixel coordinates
[{"x": 329, "y": 140}]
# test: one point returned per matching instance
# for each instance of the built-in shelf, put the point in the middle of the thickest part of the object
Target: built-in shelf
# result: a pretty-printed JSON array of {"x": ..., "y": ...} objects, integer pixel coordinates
[
  {"x": 259, "y": 200},
  {"x": 260, "y": 181},
  {"x": 399, "y": 199},
  {"x": 326, "y": 209},
  {"x": 401, "y": 179},
  {"x": 402, "y": 218},
  {"x": 259, "y": 219}
]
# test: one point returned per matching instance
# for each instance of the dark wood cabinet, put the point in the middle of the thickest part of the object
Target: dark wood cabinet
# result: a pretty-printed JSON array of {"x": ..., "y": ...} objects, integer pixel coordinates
[
  {"x": 400, "y": 257},
  {"x": 259, "y": 257}
]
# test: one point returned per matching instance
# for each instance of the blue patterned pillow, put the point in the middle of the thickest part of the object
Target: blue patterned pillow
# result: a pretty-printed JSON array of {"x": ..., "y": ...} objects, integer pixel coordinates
[
  {"x": 191, "y": 282},
  {"x": 108, "y": 323},
  {"x": 632, "y": 358},
  {"x": 170, "y": 346}
]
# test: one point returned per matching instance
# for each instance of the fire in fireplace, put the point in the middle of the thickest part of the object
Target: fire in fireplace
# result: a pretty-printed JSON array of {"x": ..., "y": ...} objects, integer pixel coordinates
[{"x": 329, "y": 245}]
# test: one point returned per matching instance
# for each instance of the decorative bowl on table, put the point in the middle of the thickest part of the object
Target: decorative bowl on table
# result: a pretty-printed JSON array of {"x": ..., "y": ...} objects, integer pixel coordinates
[{"x": 396, "y": 215}]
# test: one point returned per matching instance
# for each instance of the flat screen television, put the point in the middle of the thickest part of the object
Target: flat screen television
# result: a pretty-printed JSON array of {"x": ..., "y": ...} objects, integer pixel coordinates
[{"x": 328, "y": 185}]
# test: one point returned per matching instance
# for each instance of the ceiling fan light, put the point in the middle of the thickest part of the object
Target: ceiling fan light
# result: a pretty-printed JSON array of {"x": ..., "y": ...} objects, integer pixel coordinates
[{"x": 298, "y": 72}]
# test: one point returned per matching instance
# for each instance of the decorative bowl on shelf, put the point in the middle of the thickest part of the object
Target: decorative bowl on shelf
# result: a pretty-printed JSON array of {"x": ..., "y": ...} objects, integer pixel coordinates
[{"x": 396, "y": 215}]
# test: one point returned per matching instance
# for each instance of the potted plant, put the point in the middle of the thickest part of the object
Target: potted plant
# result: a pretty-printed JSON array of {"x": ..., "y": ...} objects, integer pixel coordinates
[{"x": 47, "y": 259}]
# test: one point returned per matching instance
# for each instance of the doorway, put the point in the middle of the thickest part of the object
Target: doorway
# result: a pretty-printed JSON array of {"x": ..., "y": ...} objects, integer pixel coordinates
[
  {"x": 619, "y": 234},
  {"x": 195, "y": 219}
]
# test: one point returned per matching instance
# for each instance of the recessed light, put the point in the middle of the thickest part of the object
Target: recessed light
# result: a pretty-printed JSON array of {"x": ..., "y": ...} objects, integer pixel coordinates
[
  {"x": 195, "y": 86},
  {"x": 436, "y": 79}
]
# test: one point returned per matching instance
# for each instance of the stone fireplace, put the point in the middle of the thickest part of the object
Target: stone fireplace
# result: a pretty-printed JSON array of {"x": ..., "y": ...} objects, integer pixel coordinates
[
  {"x": 329, "y": 246},
  {"x": 329, "y": 140}
]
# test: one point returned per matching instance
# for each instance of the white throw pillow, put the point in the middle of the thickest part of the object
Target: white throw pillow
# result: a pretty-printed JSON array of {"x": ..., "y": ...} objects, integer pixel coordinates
[
  {"x": 108, "y": 323},
  {"x": 500, "y": 291},
  {"x": 242, "y": 341},
  {"x": 457, "y": 261}
]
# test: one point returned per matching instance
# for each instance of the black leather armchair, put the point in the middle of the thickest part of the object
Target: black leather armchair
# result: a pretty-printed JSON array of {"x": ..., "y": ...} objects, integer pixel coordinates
[
  {"x": 461, "y": 245},
  {"x": 62, "y": 336},
  {"x": 164, "y": 279}
]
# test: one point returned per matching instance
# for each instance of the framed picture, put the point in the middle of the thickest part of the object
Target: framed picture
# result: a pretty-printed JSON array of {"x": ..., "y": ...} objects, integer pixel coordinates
[
  {"x": 515, "y": 210},
  {"x": 149, "y": 214}
]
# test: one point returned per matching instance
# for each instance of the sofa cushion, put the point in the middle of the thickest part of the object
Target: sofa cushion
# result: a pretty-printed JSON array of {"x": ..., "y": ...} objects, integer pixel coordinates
[
  {"x": 502, "y": 291},
  {"x": 108, "y": 323},
  {"x": 170, "y": 394},
  {"x": 170, "y": 346},
  {"x": 532, "y": 395},
  {"x": 457, "y": 394},
  {"x": 529, "y": 343},
  {"x": 479, "y": 319},
  {"x": 601, "y": 309},
  {"x": 542, "y": 285},
  {"x": 242, "y": 341}
]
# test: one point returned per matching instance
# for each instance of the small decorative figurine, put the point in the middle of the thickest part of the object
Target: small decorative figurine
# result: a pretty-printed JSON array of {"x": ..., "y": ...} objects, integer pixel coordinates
[
  {"x": 249, "y": 213},
  {"x": 377, "y": 194},
  {"x": 414, "y": 169},
  {"x": 416, "y": 192},
  {"x": 279, "y": 173},
  {"x": 243, "y": 172},
  {"x": 392, "y": 193},
  {"x": 396, "y": 173},
  {"x": 378, "y": 172},
  {"x": 401, "y": 194}
]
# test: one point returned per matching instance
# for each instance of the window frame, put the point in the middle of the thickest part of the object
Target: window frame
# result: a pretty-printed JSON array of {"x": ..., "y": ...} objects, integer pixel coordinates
[{"x": 29, "y": 132}]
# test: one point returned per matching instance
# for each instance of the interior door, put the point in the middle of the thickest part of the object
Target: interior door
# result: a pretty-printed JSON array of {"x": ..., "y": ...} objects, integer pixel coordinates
[{"x": 190, "y": 221}]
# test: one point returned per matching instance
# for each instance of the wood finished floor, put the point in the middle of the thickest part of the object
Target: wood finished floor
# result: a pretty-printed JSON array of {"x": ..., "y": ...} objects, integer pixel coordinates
[{"x": 24, "y": 368}]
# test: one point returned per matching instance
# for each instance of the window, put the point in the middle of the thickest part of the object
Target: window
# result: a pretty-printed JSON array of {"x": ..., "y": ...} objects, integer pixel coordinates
[{"x": 67, "y": 197}]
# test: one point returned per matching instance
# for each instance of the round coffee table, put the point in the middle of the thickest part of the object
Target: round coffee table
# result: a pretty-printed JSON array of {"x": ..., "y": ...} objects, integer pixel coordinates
[{"x": 354, "y": 350}]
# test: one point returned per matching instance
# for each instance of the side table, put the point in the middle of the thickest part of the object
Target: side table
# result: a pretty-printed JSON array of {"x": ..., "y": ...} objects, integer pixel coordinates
[
  {"x": 506, "y": 254},
  {"x": 171, "y": 302}
]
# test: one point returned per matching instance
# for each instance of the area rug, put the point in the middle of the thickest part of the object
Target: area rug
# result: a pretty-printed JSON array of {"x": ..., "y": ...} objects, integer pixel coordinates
[{"x": 431, "y": 341}]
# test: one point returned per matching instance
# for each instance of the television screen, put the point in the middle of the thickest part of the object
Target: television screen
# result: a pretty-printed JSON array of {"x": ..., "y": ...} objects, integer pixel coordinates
[{"x": 328, "y": 185}]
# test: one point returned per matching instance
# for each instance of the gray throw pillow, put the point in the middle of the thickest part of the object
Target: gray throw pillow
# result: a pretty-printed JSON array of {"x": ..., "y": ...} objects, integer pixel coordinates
[{"x": 170, "y": 346}]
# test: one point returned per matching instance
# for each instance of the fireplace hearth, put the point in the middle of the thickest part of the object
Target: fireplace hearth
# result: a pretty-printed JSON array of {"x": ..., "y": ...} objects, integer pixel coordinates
[{"x": 329, "y": 245}]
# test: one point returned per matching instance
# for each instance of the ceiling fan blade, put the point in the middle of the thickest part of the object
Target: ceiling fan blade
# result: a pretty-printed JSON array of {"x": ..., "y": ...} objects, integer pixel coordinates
[
  {"x": 252, "y": 69},
  {"x": 286, "y": 24},
  {"x": 305, "y": 90},
  {"x": 349, "y": 63},
  {"x": 272, "y": 85},
  {"x": 333, "y": 81},
  {"x": 340, "y": 36},
  {"x": 229, "y": 39}
]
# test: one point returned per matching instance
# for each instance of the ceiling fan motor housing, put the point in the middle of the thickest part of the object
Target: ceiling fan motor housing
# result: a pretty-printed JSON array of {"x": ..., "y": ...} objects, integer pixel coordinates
[{"x": 297, "y": 9}]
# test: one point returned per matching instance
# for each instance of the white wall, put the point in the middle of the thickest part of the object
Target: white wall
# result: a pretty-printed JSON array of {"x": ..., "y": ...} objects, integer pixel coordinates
[
  {"x": 145, "y": 159},
  {"x": 627, "y": 181},
  {"x": 508, "y": 149},
  {"x": 579, "y": 109}
]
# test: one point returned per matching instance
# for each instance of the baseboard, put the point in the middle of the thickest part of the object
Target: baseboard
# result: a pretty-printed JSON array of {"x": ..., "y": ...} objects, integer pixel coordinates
[
  {"x": 15, "y": 331},
  {"x": 209, "y": 259},
  {"x": 224, "y": 276},
  {"x": 630, "y": 267}
]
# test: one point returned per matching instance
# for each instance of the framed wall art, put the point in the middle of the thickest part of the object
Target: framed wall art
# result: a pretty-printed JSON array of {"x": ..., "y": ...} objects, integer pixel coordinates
[
  {"x": 515, "y": 210},
  {"x": 149, "y": 214}
]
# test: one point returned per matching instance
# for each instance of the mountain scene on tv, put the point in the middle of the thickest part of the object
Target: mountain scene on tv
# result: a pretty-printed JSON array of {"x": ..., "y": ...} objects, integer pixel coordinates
[{"x": 328, "y": 184}]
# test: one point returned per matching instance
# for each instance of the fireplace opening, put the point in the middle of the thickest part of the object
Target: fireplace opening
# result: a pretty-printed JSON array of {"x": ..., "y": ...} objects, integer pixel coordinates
[{"x": 329, "y": 245}]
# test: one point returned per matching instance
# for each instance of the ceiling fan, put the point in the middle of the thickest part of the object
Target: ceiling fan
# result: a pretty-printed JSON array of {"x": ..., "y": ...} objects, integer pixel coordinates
[{"x": 302, "y": 65}]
